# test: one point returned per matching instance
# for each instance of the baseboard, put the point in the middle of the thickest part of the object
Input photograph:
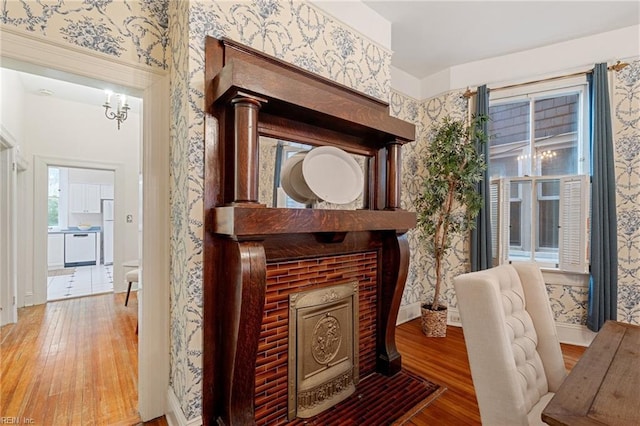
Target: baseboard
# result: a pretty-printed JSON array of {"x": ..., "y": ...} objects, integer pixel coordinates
[
  {"x": 28, "y": 298},
  {"x": 408, "y": 312},
  {"x": 574, "y": 334},
  {"x": 412, "y": 311},
  {"x": 453, "y": 317},
  {"x": 571, "y": 334},
  {"x": 175, "y": 416}
]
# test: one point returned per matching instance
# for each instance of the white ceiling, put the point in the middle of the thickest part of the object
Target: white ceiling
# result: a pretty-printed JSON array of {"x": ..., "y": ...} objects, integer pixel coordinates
[
  {"x": 50, "y": 83},
  {"x": 430, "y": 36}
]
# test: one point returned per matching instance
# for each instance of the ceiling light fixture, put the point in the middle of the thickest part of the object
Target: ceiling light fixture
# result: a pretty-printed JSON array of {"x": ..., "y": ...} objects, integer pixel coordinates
[{"x": 120, "y": 114}]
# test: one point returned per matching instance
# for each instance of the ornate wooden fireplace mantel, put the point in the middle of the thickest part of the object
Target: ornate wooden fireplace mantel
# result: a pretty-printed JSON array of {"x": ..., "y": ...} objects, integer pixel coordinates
[{"x": 249, "y": 94}]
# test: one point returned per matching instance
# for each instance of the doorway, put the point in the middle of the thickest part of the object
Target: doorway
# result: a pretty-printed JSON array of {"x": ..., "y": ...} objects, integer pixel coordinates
[
  {"x": 80, "y": 232},
  {"x": 153, "y": 87}
]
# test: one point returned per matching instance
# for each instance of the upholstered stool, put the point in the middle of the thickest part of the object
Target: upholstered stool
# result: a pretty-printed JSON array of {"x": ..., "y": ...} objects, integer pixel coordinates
[{"x": 131, "y": 277}]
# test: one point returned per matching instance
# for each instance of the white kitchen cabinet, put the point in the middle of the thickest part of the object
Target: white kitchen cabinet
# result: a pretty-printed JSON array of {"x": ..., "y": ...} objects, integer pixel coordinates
[
  {"x": 55, "y": 251},
  {"x": 84, "y": 198},
  {"x": 106, "y": 192},
  {"x": 80, "y": 248}
]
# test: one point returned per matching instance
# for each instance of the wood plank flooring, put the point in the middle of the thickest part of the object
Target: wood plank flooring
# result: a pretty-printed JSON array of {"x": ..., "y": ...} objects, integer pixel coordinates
[
  {"x": 75, "y": 362},
  {"x": 72, "y": 362},
  {"x": 444, "y": 360}
]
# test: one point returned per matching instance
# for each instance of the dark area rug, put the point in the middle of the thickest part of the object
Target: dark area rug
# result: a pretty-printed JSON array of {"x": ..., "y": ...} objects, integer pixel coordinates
[{"x": 380, "y": 400}]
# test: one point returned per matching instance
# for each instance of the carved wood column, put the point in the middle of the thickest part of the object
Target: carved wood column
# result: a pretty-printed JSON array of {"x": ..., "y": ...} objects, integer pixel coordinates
[
  {"x": 395, "y": 266},
  {"x": 394, "y": 175},
  {"x": 246, "y": 149}
]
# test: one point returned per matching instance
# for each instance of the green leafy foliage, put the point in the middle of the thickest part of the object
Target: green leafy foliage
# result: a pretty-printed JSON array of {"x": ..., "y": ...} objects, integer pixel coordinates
[{"x": 449, "y": 201}]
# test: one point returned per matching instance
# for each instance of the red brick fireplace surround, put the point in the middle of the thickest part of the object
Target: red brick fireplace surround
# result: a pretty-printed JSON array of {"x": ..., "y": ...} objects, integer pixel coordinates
[
  {"x": 284, "y": 278},
  {"x": 256, "y": 256}
]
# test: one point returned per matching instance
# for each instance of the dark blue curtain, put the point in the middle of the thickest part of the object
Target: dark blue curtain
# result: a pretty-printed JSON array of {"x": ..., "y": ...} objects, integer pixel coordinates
[
  {"x": 603, "y": 291},
  {"x": 481, "y": 235}
]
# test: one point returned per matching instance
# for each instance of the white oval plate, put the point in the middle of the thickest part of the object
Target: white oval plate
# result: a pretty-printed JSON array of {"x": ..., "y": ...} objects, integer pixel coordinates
[
  {"x": 292, "y": 180},
  {"x": 333, "y": 175}
]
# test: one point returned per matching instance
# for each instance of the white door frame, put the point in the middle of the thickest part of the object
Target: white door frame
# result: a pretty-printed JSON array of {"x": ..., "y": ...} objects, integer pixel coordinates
[
  {"x": 8, "y": 230},
  {"x": 153, "y": 319}
]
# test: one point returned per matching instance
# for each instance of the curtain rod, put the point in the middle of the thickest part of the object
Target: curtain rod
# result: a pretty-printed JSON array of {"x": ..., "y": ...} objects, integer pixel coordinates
[{"x": 617, "y": 67}]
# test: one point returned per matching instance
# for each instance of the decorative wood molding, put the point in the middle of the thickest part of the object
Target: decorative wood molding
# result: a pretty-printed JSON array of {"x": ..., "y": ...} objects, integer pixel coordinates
[{"x": 249, "y": 93}]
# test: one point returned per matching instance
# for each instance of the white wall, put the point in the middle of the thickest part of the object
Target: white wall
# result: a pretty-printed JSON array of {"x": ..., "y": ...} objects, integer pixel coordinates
[
  {"x": 570, "y": 56},
  {"x": 77, "y": 132},
  {"x": 11, "y": 104}
]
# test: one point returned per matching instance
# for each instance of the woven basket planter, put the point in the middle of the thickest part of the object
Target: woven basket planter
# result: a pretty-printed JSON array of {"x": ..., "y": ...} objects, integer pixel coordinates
[{"x": 434, "y": 323}]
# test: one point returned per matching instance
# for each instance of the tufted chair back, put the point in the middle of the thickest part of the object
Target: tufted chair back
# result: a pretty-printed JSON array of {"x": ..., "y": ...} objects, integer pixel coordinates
[{"x": 512, "y": 343}]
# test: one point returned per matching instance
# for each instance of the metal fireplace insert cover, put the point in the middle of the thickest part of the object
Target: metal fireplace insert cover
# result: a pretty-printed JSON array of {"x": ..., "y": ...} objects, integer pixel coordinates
[{"x": 323, "y": 348}]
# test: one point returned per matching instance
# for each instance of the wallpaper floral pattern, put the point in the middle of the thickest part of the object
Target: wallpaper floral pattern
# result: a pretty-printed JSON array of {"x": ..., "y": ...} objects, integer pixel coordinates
[
  {"x": 165, "y": 34},
  {"x": 424, "y": 114},
  {"x": 134, "y": 31},
  {"x": 626, "y": 127}
]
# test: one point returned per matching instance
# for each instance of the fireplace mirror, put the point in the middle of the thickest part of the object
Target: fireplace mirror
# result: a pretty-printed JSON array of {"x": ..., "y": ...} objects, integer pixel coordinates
[{"x": 274, "y": 154}]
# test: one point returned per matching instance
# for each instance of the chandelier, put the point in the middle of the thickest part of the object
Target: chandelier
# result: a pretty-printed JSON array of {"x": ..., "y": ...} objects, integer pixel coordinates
[
  {"x": 120, "y": 114},
  {"x": 544, "y": 155}
]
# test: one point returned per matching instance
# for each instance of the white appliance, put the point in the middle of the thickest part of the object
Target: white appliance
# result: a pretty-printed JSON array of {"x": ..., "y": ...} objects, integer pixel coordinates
[
  {"x": 107, "y": 231},
  {"x": 79, "y": 249}
]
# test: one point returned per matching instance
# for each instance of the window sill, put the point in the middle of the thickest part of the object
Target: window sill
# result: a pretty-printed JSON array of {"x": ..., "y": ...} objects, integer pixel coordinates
[{"x": 556, "y": 277}]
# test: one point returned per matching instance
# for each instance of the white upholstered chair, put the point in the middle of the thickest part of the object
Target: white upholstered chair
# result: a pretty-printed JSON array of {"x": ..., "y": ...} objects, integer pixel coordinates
[{"x": 512, "y": 343}]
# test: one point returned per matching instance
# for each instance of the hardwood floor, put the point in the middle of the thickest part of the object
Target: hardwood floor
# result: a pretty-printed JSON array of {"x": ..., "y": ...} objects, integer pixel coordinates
[
  {"x": 72, "y": 362},
  {"x": 444, "y": 360},
  {"x": 75, "y": 362}
]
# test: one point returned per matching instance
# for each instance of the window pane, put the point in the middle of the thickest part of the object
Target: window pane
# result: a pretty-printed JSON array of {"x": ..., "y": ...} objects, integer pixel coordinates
[
  {"x": 548, "y": 224},
  {"x": 548, "y": 220},
  {"x": 562, "y": 161},
  {"x": 53, "y": 195},
  {"x": 515, "y": 233},
  {"x": 509, "y": 123},
  {"x": 556, "y": 135},
  {"x": 520, "y": 221},
  {"x": 504, "y": 166},
  {"x": 53, "y": 211},
  {"x": 54, "y": 181},
  {"x": 509, "y": 139},
  {"x": 549, "y": 188}
]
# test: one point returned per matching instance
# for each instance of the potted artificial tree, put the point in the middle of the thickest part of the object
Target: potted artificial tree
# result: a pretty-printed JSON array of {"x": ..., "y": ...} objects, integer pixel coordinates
[{"x": 449, "y": 200}]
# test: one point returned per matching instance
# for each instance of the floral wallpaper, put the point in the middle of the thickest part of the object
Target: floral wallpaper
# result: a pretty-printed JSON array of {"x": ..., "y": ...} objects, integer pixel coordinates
[
  {"x": 625, "y": 92},
  {"x": 130, "y": 30},
  {"x": 421, "y": 275},
  {"x": 294, "y": 31},
  {"x": 164, "y": 34}
]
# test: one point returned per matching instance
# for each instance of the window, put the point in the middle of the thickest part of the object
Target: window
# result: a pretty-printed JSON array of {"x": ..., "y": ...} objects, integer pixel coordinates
[
  {"x": 538, "y": 150},
  {"x": 54, "y": 197}
]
